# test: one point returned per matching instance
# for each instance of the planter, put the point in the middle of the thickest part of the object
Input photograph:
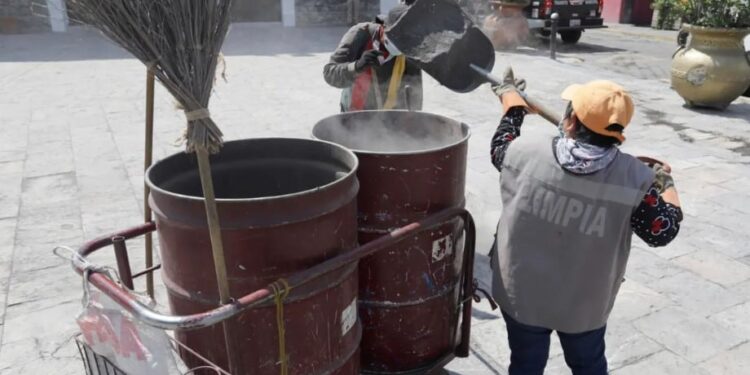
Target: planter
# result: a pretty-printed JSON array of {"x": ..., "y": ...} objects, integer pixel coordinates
[
  {"x": 712, "y": 69},
  {"x": 507, "y": 27}
]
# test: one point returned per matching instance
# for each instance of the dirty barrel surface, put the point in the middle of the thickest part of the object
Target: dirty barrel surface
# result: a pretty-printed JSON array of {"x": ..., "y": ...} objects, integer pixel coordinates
[
  {"x": 412, "y": 165},
  {"x": 284, "y": 206}
]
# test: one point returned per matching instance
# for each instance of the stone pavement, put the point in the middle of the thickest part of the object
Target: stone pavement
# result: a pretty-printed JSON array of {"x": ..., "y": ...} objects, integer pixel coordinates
[{"x": 71, "y": 144}]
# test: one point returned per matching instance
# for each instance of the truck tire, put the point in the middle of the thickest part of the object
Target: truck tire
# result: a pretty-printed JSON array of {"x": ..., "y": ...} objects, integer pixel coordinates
[
  {"x": 543, "y": 33},
  {"x": 571, "y": 36}
]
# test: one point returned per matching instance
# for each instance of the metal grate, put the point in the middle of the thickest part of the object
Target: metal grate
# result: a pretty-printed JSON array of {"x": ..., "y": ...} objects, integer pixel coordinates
[{"x": 96, "y": 364}]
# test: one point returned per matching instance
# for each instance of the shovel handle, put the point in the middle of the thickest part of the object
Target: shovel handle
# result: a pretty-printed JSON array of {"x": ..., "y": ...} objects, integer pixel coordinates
[
  {"x": 537, "y": 107},
  {"x": 551, "y": 116},
  {"x": 543, "y": 111}
]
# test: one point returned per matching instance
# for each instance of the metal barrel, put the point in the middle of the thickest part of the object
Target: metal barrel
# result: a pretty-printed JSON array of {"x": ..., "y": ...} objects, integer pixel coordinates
[
  {"x": 412, "y": 165},
  {"x": 284, "y": 206}
]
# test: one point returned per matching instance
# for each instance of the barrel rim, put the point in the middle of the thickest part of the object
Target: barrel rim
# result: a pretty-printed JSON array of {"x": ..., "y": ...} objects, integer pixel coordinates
[
  {"x": 463, "y": 125},
  {"x": 352, "y": 173}
]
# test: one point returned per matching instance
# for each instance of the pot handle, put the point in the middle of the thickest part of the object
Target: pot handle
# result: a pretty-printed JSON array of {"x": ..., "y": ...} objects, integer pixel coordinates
[{"x": 682, "y": 36}]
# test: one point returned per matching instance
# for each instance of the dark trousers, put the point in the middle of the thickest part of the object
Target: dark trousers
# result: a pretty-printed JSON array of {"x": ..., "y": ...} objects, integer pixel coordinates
[{"x": 529, "y": 349}]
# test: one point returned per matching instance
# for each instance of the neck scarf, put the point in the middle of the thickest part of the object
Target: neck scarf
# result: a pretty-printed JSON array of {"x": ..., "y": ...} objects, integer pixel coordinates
[{"x": 583, "y": 158}]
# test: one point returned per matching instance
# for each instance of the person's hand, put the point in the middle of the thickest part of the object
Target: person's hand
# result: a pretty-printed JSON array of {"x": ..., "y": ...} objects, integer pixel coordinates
[
  {"x": 664, "y": 180},
  {"x": 510, "y": 84},
  {"x": 368, "y": 58}
]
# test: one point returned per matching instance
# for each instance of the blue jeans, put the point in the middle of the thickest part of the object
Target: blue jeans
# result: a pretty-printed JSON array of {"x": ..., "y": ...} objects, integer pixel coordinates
[{"x": 529, "y": 349}]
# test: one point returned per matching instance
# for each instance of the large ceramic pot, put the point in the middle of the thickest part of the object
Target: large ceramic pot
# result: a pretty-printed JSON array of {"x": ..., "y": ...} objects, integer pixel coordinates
[
  {"x": 507, "y": 27},
  {"x": 711, "y": 69}
]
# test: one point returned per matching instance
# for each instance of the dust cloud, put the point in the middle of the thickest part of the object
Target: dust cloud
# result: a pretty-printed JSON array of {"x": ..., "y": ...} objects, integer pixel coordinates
[{"x": 390, "y": 131}]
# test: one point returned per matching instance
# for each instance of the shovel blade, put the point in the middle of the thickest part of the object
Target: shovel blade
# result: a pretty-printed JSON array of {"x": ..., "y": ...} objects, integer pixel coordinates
[{"x": 440, "y": 38}]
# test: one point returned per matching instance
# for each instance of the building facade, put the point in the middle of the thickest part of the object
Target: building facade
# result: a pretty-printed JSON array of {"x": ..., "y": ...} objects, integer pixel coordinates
[{"x": 20, "y": 16}]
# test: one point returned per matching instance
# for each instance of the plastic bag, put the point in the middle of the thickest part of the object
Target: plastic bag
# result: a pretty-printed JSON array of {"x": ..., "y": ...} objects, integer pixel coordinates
[{"x": 133, "y": 347}]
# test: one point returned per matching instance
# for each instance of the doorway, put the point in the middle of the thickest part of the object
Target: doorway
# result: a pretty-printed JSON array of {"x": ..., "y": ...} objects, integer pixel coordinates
[{"x": 256, "y": 11}]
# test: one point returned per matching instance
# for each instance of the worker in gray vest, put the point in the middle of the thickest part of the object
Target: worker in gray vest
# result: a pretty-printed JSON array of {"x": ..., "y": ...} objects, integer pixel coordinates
[{"x": 571, "y": 202}]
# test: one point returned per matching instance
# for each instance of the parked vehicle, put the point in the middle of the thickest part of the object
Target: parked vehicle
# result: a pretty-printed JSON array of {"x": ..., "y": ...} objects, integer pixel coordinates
[{"x": 575, "y": 17}]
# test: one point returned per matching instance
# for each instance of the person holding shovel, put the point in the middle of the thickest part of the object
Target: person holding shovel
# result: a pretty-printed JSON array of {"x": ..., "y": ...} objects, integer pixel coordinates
[
  {"x": 371, "y": 72},
  {"x": 571, "y": 202}
]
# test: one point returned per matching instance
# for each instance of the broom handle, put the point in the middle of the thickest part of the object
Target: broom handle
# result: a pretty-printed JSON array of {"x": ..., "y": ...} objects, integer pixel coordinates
[
  {"x": 217, "y": 249},
  {"x": 148, "y": 159}
]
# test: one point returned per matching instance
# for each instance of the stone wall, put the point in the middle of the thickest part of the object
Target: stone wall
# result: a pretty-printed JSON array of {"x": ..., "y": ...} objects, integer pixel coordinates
[
  {"x": 17, "y": 16},
  {"x": 333, "y": 12}
]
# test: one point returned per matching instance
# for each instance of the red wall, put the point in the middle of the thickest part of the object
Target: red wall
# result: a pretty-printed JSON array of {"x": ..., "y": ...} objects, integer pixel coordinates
[
  {"x": 612, "y": 11},
  {"x": 642, "y": 12}
]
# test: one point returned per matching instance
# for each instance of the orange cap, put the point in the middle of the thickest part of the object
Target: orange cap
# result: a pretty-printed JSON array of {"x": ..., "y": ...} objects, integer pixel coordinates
[{"x": 599, "y": 104}]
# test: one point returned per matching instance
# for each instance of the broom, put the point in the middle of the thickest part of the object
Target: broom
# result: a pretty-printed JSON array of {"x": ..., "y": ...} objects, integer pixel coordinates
[{"x": 180, "y": 42}]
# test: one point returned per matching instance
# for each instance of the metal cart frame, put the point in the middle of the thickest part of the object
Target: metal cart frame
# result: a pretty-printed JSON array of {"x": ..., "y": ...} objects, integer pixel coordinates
[{"x": 121, "y": 295}]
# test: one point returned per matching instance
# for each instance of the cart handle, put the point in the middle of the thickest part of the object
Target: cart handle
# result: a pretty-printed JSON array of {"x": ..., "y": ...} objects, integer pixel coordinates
[{"x": 156, "y": 319}]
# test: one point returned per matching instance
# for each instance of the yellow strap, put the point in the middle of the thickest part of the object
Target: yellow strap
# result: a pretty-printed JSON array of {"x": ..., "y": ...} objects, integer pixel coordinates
[
  {"x": 398, "y": 72},
  {"x": 280, "y": 292}
]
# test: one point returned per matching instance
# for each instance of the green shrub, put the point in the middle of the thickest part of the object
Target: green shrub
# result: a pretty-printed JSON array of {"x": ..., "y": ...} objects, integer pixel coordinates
[
  {"x": 669, "y": 12},
  {"x": 716, "y": 13}
]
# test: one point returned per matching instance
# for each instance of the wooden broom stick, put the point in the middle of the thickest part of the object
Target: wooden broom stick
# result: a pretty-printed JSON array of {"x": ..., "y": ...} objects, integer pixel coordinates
[
  {"x": 147, "y": 160},
  {"x": 217, "y": 247}
]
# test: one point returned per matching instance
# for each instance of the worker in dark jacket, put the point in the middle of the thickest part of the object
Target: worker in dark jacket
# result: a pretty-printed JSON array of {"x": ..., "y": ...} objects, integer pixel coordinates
[
  {"x": 373, "y": 74},
  {"x": 571, "y": 202}
]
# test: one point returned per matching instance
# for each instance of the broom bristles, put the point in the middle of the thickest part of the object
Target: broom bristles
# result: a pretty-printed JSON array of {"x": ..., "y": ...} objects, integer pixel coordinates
[{"x": 180, "y": 40}]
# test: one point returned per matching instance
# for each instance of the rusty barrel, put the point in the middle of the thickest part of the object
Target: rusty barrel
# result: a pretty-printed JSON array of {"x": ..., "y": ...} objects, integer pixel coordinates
[
  {"x": 284, "y": 206},
  {"x": 412, "y": 164}
]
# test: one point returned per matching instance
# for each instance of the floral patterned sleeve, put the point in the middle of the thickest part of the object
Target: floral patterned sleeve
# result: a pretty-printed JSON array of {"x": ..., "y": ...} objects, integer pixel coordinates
[
  {"x": 508, "y": 130},
  {"x": 655, "y": 221}
]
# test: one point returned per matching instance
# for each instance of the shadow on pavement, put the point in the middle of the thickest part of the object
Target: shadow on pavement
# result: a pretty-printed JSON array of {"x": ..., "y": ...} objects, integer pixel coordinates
[{"x": 736, "y": 110}]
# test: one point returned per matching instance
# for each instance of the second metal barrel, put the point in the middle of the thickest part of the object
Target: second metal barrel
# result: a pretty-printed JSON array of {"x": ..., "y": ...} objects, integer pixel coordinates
[
  {"x": 285, "y": 205},
  {"x": 412, "y": 165}
]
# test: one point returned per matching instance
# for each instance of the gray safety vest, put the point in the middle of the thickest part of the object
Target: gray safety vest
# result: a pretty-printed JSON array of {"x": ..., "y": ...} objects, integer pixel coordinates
[{"x": 563, "y": 240}]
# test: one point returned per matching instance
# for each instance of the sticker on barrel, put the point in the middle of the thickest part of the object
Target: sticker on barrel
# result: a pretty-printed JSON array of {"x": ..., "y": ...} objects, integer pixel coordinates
[
  {"x": 441, "y": 248},
  {"x": 348, "y": 317}
]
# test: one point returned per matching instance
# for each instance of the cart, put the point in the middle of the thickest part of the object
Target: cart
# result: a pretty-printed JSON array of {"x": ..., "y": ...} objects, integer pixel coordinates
[{"x": 120, "y": 291}]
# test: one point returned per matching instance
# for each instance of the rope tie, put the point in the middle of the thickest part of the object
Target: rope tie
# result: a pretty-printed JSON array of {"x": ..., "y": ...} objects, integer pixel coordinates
[
  {"x": 198, "y": 114},
  {"x": 73, "y": 256},
  {"x": 281, "y": 290}
]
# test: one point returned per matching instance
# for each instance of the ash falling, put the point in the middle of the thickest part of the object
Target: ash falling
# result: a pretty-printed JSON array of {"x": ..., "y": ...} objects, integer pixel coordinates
[{"x": 391, "y": 131}]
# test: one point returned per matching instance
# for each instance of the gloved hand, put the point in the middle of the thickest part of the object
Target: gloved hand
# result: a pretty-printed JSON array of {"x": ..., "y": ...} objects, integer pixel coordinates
[
  {"x": 664, "y": 180},
  {"x": 510, "y": 83},
  {"x": 368, "y": 58}
]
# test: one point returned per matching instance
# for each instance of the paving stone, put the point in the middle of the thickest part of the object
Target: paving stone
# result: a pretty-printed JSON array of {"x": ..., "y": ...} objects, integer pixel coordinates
[
  {"x": 645, "y": 266},
  {"x": 49, "y": 190},
  {"x": 34, "y": 356},
  {"x": 687, "y": 334},
  {"x": 735, "y": 361},
  {"x": 7, "y": 231},
  {"x": 54, "y": 323},
  {"x": 636, "y": 300},
  {"x": 715, "y": 267},
  {"x": 10, "y": 168},
  {"x": 10, "y": 193},
  {"x": 726, "y": 240},
  {"x": 696, "y": 294},
  {"x": 736, "y": 318},
  {"x": 489, "y": 341},
  {"x": 661, "y": 363},
  {"x": 43, "y": 288},
  {"x": 473, "y": 365},
  {"x": 626, "y": 345},
  {"x": 41, "y": 164}
]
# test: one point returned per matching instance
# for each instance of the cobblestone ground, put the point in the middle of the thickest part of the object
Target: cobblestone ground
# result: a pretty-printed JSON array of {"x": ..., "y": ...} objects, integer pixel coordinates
[{"x": 71, "y": 144}]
